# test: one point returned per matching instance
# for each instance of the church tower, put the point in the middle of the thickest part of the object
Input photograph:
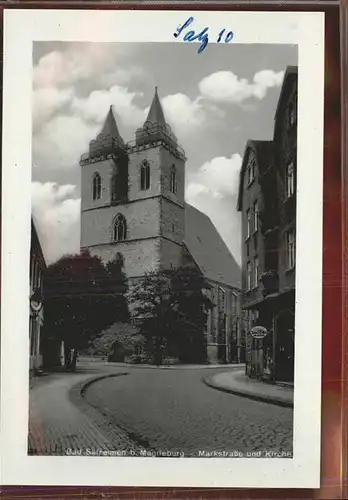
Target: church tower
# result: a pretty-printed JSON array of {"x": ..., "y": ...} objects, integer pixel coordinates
[{"x": 133, "y": 196}]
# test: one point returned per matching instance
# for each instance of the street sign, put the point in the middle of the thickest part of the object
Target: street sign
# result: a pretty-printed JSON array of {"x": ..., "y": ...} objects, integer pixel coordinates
[{"x": 259, "y": 332}]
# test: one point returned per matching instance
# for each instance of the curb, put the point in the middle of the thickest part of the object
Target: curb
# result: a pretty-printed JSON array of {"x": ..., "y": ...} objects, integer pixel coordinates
[
  {"x": 256, "y": 397},
  {"x": 77, "y": 391},
  {"x": 84, "y": 385},
  {"x": 117, "y": 437}
]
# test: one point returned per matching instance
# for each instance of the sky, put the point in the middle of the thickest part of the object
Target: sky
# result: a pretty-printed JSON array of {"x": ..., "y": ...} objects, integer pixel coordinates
[{"x": 214, "y": 102}]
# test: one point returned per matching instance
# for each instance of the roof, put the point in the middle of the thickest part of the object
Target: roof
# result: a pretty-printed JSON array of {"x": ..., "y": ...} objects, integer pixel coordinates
[
  {"x": 263, "y": 152},
  {"x": 208, "y": 249},
  {"x": 110, "y": 126},
  {"x": 35, "y": 241},
  {"x": 291, "y": 71},
  {"x": 156, "y": 114}
]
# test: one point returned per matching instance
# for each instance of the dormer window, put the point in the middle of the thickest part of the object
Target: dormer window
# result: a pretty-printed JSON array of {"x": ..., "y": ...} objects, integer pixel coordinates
[
  {"x": 144, "y": 176},
  {"x": 96, "y": 186},
  {"x": 251, "y": 169},
  {"x": 173, "y": 184}
]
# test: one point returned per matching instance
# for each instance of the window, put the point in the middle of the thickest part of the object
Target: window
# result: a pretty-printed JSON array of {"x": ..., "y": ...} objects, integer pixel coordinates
[
  {"x": 292, "y": 113},
  {"x": 96, "y": 186},
  {"x": 248, "y": 213},
  {"x": 173, "y": 186},
  {"x": 290, "y": 180},
  {"x": 120, "y": 228},
  {"x": 234, "y": 304},
  {"x": 221, "y": 299},
  {"x": 144, "y": 176},
  {"x": 256, "y": 272},
  {"x": 248, "y": 276},
  {"x": 290, "y": 248},
  {"x": 251, "y": 169},
  {"x": 35, "y": 274},
  {"x": 256, "y": 216}
]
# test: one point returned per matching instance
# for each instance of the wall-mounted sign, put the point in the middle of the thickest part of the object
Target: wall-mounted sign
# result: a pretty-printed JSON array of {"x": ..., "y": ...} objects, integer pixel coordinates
[
  {"x": 36, "y": 301},
  {"x": 259, "y": 332}
]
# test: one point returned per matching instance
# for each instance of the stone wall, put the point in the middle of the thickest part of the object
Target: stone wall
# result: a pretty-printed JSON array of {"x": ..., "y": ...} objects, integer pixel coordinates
[
  {"x": 142, "y": 220},
  {"x": 172, "y": 223},
  {"x": 139, "y": 256}
]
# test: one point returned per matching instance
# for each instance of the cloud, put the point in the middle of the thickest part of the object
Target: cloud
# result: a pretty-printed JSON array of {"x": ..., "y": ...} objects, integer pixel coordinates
[
  {"x": 219, "y": 177},
  {"x": 213, "y": 189},
  {"x": 78, "y": 62},
  {"x": 61, "y": 142},
  {"x": 95, "y": 107},
  {"x": 47, "y": 101},
  {"x": 225, "y": 86},
  {"x": 57, "y": 213},
  {"x": 181, "y": 111}
]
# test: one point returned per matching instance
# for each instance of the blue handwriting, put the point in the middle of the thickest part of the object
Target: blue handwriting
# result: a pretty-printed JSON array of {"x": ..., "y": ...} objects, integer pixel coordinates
[{"x": 202, "y": 36}]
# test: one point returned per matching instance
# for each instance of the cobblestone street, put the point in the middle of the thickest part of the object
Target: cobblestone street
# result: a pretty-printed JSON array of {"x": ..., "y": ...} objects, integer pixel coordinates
[
  {"x": 174, "y": 410},
  {"x": 150, "y": 411}
]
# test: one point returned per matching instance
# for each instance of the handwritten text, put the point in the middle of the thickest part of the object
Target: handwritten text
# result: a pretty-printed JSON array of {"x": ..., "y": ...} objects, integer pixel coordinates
[{"x": 201, "y": 36}]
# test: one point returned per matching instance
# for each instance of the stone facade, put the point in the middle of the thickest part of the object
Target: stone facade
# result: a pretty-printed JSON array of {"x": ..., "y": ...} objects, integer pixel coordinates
[
  {"x": 224, "y": 328},
  {"x": 150, "y": 203}
]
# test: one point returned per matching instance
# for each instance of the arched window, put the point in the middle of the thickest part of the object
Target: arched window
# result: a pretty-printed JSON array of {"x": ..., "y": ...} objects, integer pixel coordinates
[
  {"x": 173, "y": 180},
  {"x": 96, "y": 186},
  {"x": 120, "y": 228},
  {"x": 144, "y": 176}
]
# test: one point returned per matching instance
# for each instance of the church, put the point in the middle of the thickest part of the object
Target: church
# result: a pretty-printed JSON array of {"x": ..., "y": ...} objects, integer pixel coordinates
[{"x": 133, "y": 208}]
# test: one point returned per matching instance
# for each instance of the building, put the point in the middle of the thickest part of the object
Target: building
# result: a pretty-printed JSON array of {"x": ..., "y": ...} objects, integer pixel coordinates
[
  {"x": 37, "y": 269},
  {"x": 133, "y": 206},
  {"x": 267, "y": 202}
]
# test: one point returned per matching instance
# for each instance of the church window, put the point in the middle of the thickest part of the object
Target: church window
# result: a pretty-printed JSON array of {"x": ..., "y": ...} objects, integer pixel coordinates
[
  {"x": 144, "y": 176},
  {"x": 96, "y": 186},
  {"x": 173, "y": 185},
  {"x": 120, "y": 228}
]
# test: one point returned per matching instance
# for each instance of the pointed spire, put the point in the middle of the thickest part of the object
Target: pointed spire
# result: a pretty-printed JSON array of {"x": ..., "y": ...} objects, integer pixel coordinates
[
  {"x": 110, "y": 126},
  {"x": 156, "y": 114}
]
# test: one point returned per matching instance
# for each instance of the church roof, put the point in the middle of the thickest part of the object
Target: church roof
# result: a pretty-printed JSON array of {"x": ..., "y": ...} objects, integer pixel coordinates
[
  {"x": 156, "y": 114},
  {"x": 208, "y": 249},
  {"x": 110, "y": 126}
]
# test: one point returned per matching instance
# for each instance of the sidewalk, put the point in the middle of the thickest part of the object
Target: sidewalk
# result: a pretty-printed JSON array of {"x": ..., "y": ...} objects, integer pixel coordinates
[
  {"x": 236, "y": 382},
  {"x": 178, "y": 366},
  {"x": 62, "y": 423}
]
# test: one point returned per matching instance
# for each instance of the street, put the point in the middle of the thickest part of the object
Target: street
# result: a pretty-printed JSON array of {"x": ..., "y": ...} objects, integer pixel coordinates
[{"x": 172, "y": 409}]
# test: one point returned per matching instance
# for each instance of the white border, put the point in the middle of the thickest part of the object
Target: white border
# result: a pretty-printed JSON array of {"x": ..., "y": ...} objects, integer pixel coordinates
[{"x": 21, "y": 27}]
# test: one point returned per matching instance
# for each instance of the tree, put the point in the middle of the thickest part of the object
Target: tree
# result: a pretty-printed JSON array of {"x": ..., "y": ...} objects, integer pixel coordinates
[
  {"x": 82, "y": 298},
  {"x": 171, "y": 311},
  {"x": 192, "y": 303},
  {"x": 150, "y": 304},
  {"x": 117, "y": 342}
]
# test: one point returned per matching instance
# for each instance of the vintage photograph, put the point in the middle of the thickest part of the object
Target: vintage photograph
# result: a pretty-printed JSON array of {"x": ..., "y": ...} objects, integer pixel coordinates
[
  {"x": 163, "y": 250},
  {"x": 162, "y": 310}
]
